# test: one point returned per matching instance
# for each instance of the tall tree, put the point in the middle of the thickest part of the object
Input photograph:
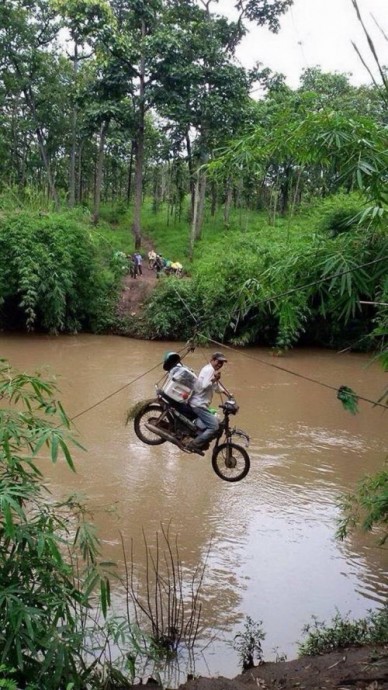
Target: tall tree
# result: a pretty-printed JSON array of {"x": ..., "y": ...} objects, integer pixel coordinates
[
  {"x": 202, "y": 87},
  {"x": 28, "y": 57}
]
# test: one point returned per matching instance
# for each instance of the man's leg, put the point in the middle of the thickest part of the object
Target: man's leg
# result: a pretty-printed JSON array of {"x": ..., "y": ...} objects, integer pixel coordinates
[{"x": 212, "y": 426}]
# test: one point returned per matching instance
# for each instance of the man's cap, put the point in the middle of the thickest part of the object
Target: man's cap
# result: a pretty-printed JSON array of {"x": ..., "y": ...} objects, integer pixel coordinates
[{"x": 219, "y": 357}]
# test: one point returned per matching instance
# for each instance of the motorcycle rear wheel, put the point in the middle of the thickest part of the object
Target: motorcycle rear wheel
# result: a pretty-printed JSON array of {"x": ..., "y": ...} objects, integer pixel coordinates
[
  {"x": 230, "y": 462},
  {"x": 149, "y": 414}
]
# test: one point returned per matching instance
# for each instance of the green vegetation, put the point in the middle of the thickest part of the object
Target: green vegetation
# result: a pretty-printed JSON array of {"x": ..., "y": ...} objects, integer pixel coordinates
[
  {"x": 56, "y": 628},
  {"x": 295, "y": 280},
  {"x": 55, "y": 275},
  {"x": 366, "y": 507},
  {"x": 55, "y": 591},
  {"x": 55, "y": 632},
  {"x": 49, "y": 562},
  {"x": 248, "y": 643},
  {"x": 319, "y": 279},
  {"x": 143, "y": 126},
  {"x": 342, "y": 632}
]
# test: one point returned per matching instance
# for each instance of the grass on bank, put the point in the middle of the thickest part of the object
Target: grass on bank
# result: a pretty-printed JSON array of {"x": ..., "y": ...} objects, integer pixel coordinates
[{"x": 343, "y": 632}]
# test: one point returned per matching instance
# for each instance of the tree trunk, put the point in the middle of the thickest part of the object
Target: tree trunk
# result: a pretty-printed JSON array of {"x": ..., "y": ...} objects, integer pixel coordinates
[
  {"x": 285, "y": 190},
  {"x": 30, "y": 101},
  {"x": 14, "y": 157},
  {"x": 191, "y": 176},
  {"x": 99, "y": 172},
  {"x": 139, "y": 162},
  {"x": 297, "y": 192},
  {"x": 73, "y": 147},
  {"x": 164, "y": 183},
  {"x": 42, "y": 148},
  {"x": 114, "y": 182},
  {"x": 194, "y": 219},
  {"x": 50, "y": 180},
  {"x": 121, "y": 183},
  {"x": 228, "y": 203},
  {"x": 156, "y": 190},
  {"x": 214, "y": 199},
  {"x": 199, "y": 205},
  {"x": 80, "y": 191},
  {"x": 130, "y": 166}
]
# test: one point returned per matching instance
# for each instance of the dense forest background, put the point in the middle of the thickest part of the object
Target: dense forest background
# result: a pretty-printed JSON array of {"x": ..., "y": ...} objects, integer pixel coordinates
[
  {"x": 126, "y": 124},
  {"x": 127, "y": 120}
]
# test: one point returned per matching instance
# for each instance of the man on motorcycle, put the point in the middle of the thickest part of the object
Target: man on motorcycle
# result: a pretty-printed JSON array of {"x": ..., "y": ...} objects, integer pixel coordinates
[{"x": 200, "y": 401}]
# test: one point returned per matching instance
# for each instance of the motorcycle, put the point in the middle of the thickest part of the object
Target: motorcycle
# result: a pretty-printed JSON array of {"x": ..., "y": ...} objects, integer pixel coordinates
[{"x": 163, "y": 419}]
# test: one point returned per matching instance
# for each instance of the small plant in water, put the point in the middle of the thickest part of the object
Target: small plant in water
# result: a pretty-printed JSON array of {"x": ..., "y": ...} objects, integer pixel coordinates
[
  {"x": 248, "y": 643},
  {"x": 170, "y": 603}
]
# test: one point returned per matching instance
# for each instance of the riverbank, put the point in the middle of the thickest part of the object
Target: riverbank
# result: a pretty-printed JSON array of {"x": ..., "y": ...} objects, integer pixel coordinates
[{"x": 355, "y": 667}]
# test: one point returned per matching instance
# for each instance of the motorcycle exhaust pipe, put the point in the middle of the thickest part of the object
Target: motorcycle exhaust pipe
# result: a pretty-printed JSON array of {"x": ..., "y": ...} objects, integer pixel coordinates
[{"x": 163, "y": 434}]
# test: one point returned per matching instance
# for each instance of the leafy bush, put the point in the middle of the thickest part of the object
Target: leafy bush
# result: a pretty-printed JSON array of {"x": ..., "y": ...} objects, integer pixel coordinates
[
  {"x": 44, "y": 597},
  {"x": 113, "y": 214},
  {"x": 248, "y": 643},
  {"x": 317, "y": 275},
  {"x": 55, "y": 632},
  {"x": 342, "y": 632},
  {"x": 379, "y": 335},
  {"x": 172, "y": 309},
  {"x": 340, "y": 220},
  {"x": 367, "y": 506},
  {"x": 51, "y": 277}
]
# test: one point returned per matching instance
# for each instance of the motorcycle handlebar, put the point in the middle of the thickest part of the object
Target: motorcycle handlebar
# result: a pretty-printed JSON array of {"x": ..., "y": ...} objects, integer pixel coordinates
[{"x": 225, "y": 390}]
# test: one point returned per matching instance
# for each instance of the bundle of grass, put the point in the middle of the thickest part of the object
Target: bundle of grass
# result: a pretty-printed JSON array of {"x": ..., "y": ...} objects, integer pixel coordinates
[{"x": 135, "y": 409}]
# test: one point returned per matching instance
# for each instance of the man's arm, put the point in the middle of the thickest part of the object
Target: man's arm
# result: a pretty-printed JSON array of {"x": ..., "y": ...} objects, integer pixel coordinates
[{"x": 205, "y": 379}]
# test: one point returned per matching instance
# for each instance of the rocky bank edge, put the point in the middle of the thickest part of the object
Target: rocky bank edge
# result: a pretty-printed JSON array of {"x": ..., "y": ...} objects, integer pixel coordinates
[{"x": 355, "y": 667}]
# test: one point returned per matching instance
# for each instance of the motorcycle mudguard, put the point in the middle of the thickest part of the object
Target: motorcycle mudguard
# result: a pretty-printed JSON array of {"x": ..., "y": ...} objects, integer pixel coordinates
[{"x": 242, "y": 435}]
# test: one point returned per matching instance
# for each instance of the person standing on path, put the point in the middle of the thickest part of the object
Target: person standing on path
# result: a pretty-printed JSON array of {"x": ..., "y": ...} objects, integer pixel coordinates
[
  {"x": 151, "y": 259},
  {"x": 201, "y": 399},
  {"x": 132, "y": 266},
  {"x": 138, "y": 261},
  {"x": 158, "y": 264}
]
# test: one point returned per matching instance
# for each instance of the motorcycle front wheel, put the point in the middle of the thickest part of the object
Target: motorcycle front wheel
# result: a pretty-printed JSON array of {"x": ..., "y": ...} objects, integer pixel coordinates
[
  {"x": 149, "y": 414},
  {"x": 230, "y": 462}
]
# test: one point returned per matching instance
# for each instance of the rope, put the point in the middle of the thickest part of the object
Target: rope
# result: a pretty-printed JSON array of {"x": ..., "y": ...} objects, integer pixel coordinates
[
  {"x": 292, "y": 373},
  {"x": 196, "y": 321},
  {"x": 320, "y": 280},
  {"x": 126, "y": 385},
  {"x": 295, "y": 289},
  {"x": 256, "y": 359}
]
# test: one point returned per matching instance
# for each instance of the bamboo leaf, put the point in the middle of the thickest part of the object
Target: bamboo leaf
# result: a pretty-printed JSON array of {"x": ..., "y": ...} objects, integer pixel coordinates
[{"x": 67, "y": 455}]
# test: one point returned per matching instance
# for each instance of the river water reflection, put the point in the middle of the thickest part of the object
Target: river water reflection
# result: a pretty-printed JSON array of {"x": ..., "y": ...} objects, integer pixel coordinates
[{"x": 273, "y": 555}]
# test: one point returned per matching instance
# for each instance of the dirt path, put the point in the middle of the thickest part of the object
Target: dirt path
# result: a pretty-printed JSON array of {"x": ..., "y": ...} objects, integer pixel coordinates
[{"x": 136, "y": 290}]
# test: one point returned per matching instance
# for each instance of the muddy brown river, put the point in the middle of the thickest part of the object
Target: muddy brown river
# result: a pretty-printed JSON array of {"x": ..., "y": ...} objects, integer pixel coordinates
[{"x": 270, "y": 539}]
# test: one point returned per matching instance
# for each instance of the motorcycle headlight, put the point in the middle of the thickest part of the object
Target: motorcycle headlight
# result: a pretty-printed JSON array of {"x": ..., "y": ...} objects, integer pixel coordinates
[{"x": 231, "y": 406}]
